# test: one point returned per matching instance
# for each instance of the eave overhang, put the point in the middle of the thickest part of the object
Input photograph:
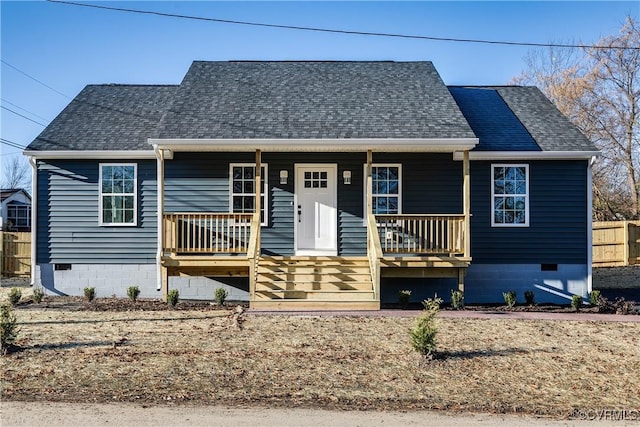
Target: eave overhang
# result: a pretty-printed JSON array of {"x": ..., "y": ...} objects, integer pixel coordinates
[
  {"x": 529, "y": 155},
  {"x": 90, "y": 154},
  {"x": 439, "y": 145}
]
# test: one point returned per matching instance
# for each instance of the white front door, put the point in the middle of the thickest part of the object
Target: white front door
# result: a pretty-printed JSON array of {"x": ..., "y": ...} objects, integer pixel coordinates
[{"x": 316, "y": 209}]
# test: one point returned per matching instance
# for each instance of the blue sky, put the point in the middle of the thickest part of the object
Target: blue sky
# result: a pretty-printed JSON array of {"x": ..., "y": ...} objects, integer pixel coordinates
[{"x": 68, "y": 47}]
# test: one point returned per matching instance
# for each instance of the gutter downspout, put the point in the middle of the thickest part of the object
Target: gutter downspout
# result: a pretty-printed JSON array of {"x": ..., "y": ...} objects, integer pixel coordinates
[
  {"x": 160, "y": 206},
  {"x": 590, "y": 224},
  {"x": 34, "y": 210}
]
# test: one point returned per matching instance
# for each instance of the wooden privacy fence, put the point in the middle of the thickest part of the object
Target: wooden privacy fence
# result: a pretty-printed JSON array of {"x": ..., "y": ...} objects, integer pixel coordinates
[
  {"x": 616, "y": 243},
  {"x": 16, "y": 254}
]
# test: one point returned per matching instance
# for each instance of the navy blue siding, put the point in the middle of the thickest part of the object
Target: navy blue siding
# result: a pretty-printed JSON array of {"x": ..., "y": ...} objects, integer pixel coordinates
[
  {"x": 67, "y": 228},
  {"x": 431, "y": 183},
  {"x": 558, "y": 217}
]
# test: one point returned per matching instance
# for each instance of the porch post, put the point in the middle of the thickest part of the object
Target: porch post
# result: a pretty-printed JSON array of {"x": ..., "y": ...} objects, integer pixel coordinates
[
  {"x": 369, "y": 184},
  {"x": 258, "y": 185},
  {"x": 466, "y": 190}
]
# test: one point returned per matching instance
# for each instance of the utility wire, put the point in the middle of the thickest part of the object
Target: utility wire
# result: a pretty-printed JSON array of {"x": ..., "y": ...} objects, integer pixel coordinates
[
  {"x": 23, "y": 116},
  {"x": 330, "y": 30},
  {"x": 11, "y": 143},
  {"x": 34, "y": 79},
  {"x": 23, "y": 109}
]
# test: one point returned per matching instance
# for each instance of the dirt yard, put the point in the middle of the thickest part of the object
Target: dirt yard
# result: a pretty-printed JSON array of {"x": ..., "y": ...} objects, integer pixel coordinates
[{"x": 198, "y": 357}]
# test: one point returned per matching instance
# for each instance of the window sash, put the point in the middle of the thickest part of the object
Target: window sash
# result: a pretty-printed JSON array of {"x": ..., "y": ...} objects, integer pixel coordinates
[
  {"x": 242, "y": 193},
  {"x": 386, "y": 189},
  {"x": 509, "y": 195},
  {"x": 19, "y": 215},
  {"x": 118, "y": 194}
]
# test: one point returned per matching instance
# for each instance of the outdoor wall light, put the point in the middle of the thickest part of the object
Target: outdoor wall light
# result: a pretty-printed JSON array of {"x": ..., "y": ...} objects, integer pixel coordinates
[
  {"x": 284, "y": 175},
  {"x": 346, "y": 175}
]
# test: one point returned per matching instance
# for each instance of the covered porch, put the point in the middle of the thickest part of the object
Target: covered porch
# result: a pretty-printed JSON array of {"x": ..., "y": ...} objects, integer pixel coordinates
[{"x": 416, "y": 245}]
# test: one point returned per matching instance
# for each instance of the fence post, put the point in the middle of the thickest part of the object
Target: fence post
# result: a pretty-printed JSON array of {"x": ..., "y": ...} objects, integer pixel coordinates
[
  {"x": 627, "y": 244},
  {"x": 1, "y": 252}
]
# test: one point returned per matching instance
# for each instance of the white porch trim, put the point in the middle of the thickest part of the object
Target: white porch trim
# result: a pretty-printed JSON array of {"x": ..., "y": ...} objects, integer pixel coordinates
[{"x": 436, "y": 145}]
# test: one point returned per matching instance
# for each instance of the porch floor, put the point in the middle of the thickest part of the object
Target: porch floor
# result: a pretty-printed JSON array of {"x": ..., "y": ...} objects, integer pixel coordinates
[{"x": 314, "y": 282}]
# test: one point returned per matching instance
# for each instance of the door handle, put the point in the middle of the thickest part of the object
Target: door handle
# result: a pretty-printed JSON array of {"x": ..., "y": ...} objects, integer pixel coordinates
[{"x": 299, "y": 213}]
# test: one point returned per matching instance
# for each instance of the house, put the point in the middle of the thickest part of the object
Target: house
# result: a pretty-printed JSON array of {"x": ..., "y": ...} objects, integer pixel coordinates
[
  {"x": 313, "y": 185},
  {"x": 15, "y": 210}
]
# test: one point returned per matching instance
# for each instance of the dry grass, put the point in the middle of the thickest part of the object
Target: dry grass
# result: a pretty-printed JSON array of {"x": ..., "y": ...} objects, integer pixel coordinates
[{"x": 541, "y": 367}]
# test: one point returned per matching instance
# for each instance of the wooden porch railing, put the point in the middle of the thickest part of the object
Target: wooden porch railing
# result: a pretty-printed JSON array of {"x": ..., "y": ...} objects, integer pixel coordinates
[
  {"x": 199, "y": 233},
  {"x": 421, "y": 234},
  {"x": 253, "y": 254},
  {"x": 374, "y": 253}
]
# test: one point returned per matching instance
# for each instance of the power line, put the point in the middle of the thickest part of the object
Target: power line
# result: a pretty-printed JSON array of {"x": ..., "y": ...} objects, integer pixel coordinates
[
  {"x": 336, "y": 31},
  {"x": 11, "y": 144},
  {"x": 23, "y": 109},
  {"x": 23, "y": 116},
  {"x": 34, "y": 79}
]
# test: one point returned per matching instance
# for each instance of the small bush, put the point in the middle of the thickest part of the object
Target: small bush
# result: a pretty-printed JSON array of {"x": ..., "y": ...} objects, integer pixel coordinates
[
  {"x": 172, "y": 297},
  {"x": 8, "y": 329},
  {"x": 38, "y": 294},
  {"x": 576, "y": 302},
  {"x": 423, "y": 334},
  {"x": 457, "y": 299},
  {"x": 432, "y": 304},
  {"x": 133, "y": 292},
  {"x": 403, "y": 298},
  {"x": 618, "y": 306},
  {"x": 529, "y": 297},
  {"x": 510, "y": 298},
  {"x": 14, "y": 296},
  {"x": 594, "y": 296},
  {"x": 221, "y": 296},
  {"x": 90, "y": 293}
]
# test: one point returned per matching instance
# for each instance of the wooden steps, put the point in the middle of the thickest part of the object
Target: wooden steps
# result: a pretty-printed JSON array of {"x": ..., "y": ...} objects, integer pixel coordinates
[{"x": 314, "y": 283}]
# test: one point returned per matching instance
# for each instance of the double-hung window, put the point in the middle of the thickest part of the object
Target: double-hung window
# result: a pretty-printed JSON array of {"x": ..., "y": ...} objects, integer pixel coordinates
[
  {"x": 510, "y": 195},
  {"x": 118, "y": 194},
  {"x": 19, "y": 216},
  {"x": 242, "y": 191},
  {"x": 386, "y": 188}
]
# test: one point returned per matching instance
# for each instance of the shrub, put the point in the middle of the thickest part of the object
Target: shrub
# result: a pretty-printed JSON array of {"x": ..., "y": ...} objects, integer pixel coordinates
[
  {"x": 89, "y": 293},
  {"x": 423, "y": 334},
  {"x": 594, "y": 296},
  {"x": 14, "y": 296},
  {"x": 618, "y": 306},
  {"x": 172, "y": 297},
  {"x": 457, "y": 299},
  {"x": 403, "y": 297},
  {"x": 221, "y": 296},
  {"x": 509, "y": 298},
  {"x": 38, "y": 294},
  {"x": 8, "y": 329},
  {"x": 133, "y": 292},
  {"x": 432, "y": 304},
  {"x": 576, "y": 302},
  {"x": 529, "y": 297}
]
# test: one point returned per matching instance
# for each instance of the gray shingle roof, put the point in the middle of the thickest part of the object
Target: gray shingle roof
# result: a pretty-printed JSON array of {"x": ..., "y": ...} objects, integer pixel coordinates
[
  {"x": 107, "y": 117},
  {"x": 546, "y": 124},
  {"x": 313, "y": 100},
  {"x": 310, "y": 100},
  {"x": 497, "y": 127}
]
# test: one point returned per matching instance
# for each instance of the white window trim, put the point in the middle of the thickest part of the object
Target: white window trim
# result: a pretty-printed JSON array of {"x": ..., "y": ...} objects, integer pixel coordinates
[
  {"x": 493, "y": 205},
  {"x": 27, "y": 218},
  {"x": 264, "y": 194},
  {"x": 400, "y": 178},
  {"x": 135, "y": 197}
]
